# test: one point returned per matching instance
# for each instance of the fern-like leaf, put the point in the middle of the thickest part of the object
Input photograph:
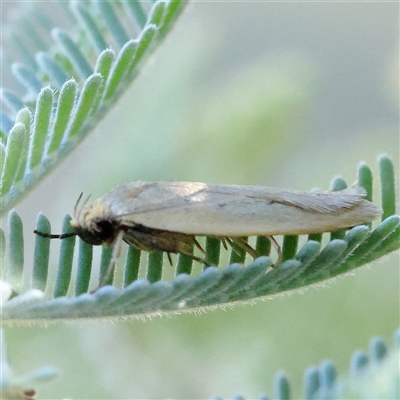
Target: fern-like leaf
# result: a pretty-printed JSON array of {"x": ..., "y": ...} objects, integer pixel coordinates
[
  {"x": 70, "y": 85},
  {"x": 214, "y": 286}
]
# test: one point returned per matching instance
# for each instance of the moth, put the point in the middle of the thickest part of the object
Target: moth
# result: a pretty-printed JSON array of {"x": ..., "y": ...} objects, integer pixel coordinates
[{"x": 168, "y": 216}]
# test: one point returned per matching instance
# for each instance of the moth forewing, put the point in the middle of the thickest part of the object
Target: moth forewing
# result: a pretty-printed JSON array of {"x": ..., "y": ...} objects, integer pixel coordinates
[{"x": 222, "y": 210}]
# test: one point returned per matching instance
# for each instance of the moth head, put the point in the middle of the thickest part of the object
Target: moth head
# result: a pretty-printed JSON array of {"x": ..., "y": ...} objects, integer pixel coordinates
[
  {"x": 91, "y": 222},
  {"x": 96, "y": 231}
]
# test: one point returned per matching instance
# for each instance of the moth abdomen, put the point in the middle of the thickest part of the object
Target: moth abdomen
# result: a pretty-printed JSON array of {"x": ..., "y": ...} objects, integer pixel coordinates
[{"x": 149, "y": 239}]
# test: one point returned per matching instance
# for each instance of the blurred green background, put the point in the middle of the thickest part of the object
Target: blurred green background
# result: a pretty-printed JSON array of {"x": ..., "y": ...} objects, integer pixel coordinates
[{"x": 276, "y": 94}]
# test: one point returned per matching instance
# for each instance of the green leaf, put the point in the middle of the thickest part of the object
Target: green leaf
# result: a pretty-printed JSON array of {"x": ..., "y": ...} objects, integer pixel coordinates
[
  {"x": 15, "y": 265},
  {"x": 11, "y": 161},
  {"x": 97, "y": 78},
  {"x": 41, "y": 254},
  {"x": 388, "y": 186},
  {"x": 66, "y": 101},
  {"x": 65, "y": 261},
  {"x": 24, "y": 116},
  {"x": 112, "y": 22},
  {"x": 40, "y": 127},
  {"x": 83, "y": 108},
  {"x": 89, "y": 26},
  {"x": 73, "y": 53},
  {"x": 120, "y": 67}
]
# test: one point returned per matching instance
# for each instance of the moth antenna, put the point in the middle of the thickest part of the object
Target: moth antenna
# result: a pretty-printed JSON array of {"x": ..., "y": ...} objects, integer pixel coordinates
[
  {"x": 78, "y": 212},
  {"x": 76, "y": 206},
  {"x": 53, "y": 236},
  {"x": 84, "y": 203}
]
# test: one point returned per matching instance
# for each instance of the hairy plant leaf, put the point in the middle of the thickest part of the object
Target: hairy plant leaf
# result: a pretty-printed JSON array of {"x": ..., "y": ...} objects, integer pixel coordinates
[
  {"x": 71, "y": 78},
  {"x": 214, "y": 286}
]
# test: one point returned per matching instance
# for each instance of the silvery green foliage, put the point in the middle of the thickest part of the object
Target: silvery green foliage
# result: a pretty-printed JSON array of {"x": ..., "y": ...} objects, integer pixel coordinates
[
  {"x": 214, "y": 286},
  {"x": 71, "y": 78},
  {"x": 373, "y": 375}
]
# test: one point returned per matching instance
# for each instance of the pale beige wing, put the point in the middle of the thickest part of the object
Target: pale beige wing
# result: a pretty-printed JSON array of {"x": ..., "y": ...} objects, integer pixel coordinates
[{"x": 231, "y": 210}]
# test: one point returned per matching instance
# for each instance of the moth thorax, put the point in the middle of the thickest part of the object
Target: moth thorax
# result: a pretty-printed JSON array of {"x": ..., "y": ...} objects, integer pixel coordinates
[{"x": 92, "y": 211}]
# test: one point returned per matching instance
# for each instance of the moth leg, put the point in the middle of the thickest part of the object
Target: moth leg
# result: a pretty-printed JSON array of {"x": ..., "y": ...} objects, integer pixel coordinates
[
  {"x": 198, "y": 245},
  {"x": 227, "y": 240},
  {"x": 223, "y": 241},
  {"x": 277, "y": 249},
  {"x": 244, "y": 245},
  {"x": 231, "y": 242},
  {"x": 195, "y": 258},
  {"x": 169, "y": 258},
  {"x": 111, "y": 266},
  {"x": 199, "y": 259}
]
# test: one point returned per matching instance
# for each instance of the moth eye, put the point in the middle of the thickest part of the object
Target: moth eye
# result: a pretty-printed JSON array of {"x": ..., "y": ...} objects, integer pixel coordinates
[
  {"x": 98, "y": 231},
  {"x": 104, "y": 229}
]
